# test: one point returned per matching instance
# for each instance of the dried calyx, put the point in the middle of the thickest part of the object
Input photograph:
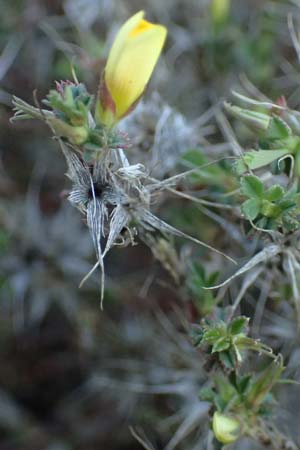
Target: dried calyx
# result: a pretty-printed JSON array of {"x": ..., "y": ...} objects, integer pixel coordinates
[{"x": 116, "y": 197}]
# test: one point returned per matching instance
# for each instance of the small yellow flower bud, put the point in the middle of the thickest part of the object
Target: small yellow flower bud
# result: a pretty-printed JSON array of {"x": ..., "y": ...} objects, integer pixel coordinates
[
  {"x": 220, "y": 11},
  {"x": 226, "y": 429},
  {"x": 131, "y": 61}
]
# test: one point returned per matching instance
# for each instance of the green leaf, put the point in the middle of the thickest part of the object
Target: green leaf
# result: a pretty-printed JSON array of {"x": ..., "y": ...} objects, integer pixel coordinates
[
  {"x": 264, "y": 382},
  {"x": 252, "y": 187},
  {"x": 286, "y": 204},
  {"x": 196, "y": 334},
  {"x": 227, "y": 359},
  {"x": 198, "y": 273},
  {"x": 238, "y": 355},
  {"x": 212, "y": 174},
  {"x": 250, "y": 208},
  {"x": 224, "y": 387},
  {"x": 221, "y": 345},
  {"x": 207, "y": 394},
  {"x": 195, "y": 158},
  {"x": 262, "y": 223},
  {"x": 270, "y": 210},
  {"x": 254, "y": 119},
  {"x": 212, "y": 278},
  {"x": 256, "y": 159},
  {"x": 213, "y": 335},
  {"x": 278, "y": 129},
  {"x": 274, "y": 193},
  {"x": 4, "y": 240},
  {"x": 238, "y": 325},
  {"x": 240, "y": 166},
  {"x": 244, "y": 383}
]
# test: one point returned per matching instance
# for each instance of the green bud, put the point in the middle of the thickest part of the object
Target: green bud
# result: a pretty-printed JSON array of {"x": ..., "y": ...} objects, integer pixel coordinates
[
  {"x": 253, "y": 119},
  {"x": 268, "y": 209},
  {"x": 219, "y": 10},
  {"x": 226, "y": 429},
  {"x": 75, "y": 135}
]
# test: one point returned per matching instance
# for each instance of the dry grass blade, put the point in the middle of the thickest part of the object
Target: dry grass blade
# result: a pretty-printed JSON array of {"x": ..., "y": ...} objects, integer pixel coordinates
[
  {"x": 119, "y": 220},
  {"x": 194, "y": 415},
  {"x": 261, "y": 257},
  {"x": 142, "y": 440},
  {"x": 95, "y": 213},
  {"x": 162, "y": 226}
]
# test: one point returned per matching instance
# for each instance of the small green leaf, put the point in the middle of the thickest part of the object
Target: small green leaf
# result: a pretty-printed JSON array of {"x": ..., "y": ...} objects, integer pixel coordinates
[
  {"x": 207, "y": 394},
  {"x": 254, "y": 119},
  {"x": 274, "y": 193},
  {"x": 240, "y": 166},
  {"x": 212, "y": 278},
  {"x": 278, "y": 129},
  {"x": 263, "y": 383},
  {"x": 195, "y": 158},
  {"x": 243, "y": 383},
  {"x": 286, "y": 204},
  {"x": 227, "y": 359},
  {"x": 238, "y": 355},
  {"x": 270, "y": 210},
  {"x": 251, "y": 208},
  {"x": 220, "y": 345},
  {"x": 255, "y": 159},
  {"x": 4, "y": 240},
  {"x": 252, "y": 187},
  {"x": 213, "y": 335},
  {"x": 198, "y": 273},
  {"x": 262, "y": 223},
  {"x": 238, "y": 325}
]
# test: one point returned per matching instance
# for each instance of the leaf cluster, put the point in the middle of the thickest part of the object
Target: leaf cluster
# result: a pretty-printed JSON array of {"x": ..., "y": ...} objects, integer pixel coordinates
[{"x": 271, "y": 208}]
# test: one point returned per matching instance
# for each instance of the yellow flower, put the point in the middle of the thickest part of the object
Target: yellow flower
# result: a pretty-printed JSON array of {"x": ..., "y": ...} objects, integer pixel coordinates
[
  {"x": 130, "y": 63},
  {"x": 226, "y": 429}
]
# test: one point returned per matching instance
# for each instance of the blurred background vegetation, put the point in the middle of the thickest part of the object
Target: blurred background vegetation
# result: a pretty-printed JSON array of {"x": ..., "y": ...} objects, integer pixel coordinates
[{"x": 73, "y": 377}]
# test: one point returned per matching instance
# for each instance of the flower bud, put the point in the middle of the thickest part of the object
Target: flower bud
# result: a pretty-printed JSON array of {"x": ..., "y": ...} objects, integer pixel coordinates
[
  {"x": 75, "y": 135},
  {"x": 226, "y": 429},
  {"x": 131, "y": 61},
  {"x": 219, "y": 11},
  {"x": 254, "y": 119},
  {"x": 270, "y": 210}
]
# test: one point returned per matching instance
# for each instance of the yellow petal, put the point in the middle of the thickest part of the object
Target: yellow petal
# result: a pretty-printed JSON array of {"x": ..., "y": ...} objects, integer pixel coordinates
[
  {"x": 130, "y": 63},
  {"x": 118, "y": 44}
]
